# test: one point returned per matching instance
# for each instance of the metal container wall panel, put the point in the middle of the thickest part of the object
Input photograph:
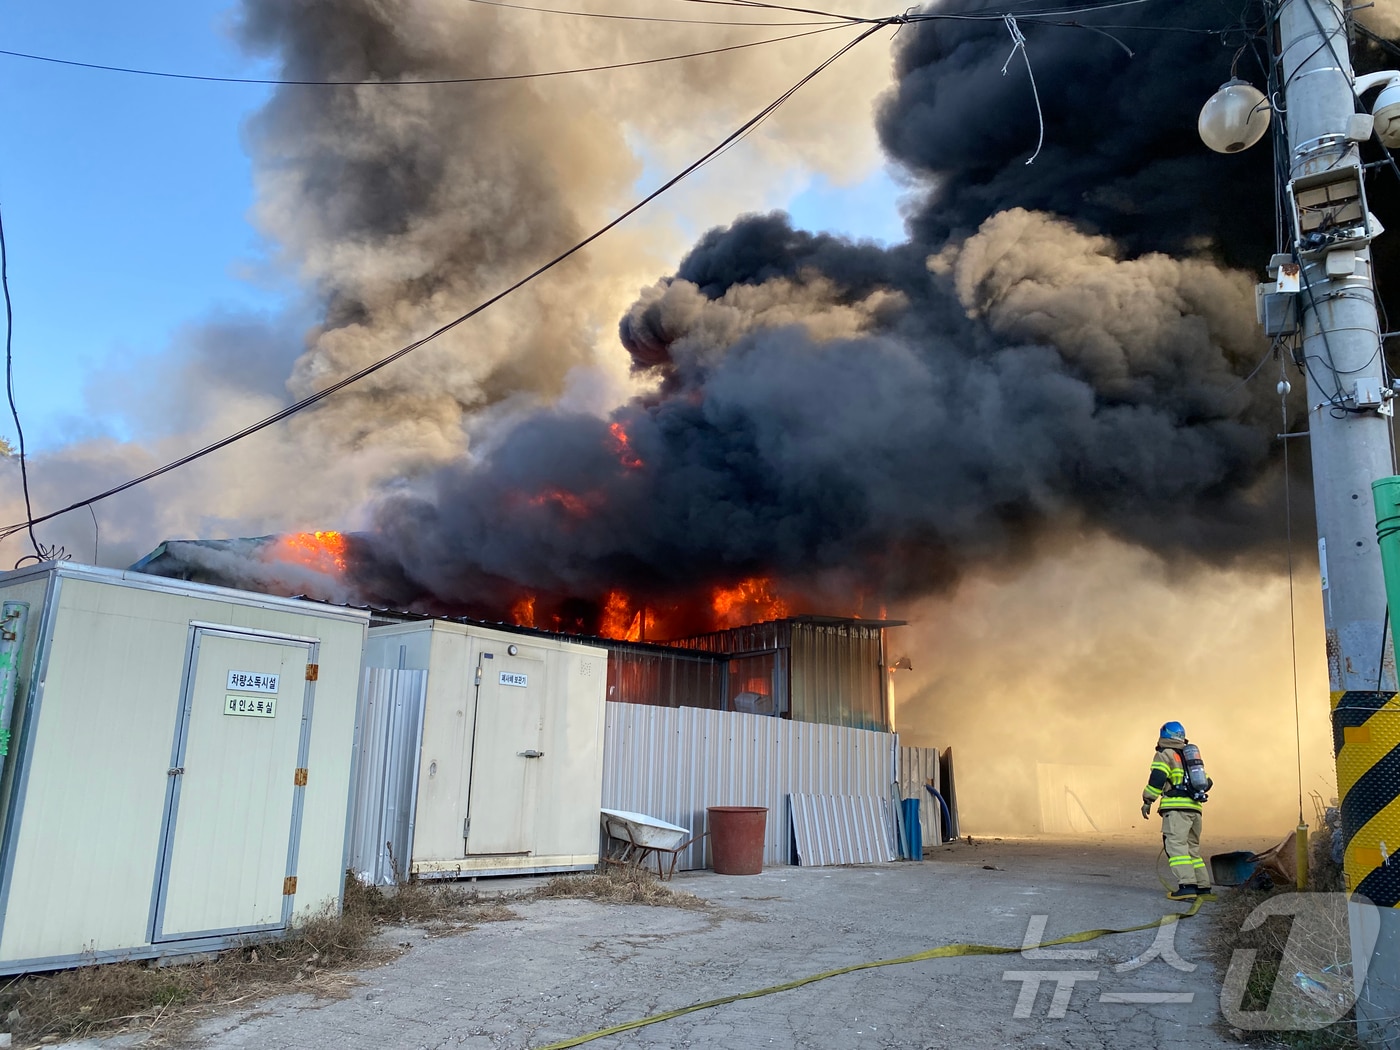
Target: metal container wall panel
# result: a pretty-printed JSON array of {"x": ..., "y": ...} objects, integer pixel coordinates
[
  {"x": 682, "y": 679},
  {"x": 842, "y": 829},
  {"x": 84, "y": 822},
  {"x": 833, "y": 674},
  {"x": 837, "y": 677},
  {"x": 674, "y": 763},
  {"x": 389, "y": 733},
  {"x": 919, "y": 766}
]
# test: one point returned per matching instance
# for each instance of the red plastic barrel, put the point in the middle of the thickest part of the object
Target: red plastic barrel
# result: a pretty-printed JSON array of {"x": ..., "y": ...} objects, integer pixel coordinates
[{"x": 736, "y": 839}]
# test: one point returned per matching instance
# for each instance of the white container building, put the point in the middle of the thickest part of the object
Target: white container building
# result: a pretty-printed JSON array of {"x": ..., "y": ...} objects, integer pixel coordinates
[
  {"x": 179, "y": 767},
  {"x": 480, "y": 753}
]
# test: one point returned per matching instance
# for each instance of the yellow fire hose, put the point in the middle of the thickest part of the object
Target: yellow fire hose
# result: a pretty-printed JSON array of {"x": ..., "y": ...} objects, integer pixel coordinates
[{"x": 945, "y": 952}]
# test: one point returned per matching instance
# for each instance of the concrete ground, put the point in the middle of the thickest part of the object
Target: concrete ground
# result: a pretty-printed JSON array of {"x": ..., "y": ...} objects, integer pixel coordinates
[{"x": 569, "y": 967}]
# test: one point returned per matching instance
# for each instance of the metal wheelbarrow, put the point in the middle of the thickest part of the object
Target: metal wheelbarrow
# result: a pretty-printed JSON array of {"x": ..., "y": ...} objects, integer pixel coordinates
[{"x": 634, "y": 837}]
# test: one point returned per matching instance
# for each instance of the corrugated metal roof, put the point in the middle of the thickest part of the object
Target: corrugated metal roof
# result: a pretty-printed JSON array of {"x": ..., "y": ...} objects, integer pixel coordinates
[
  {"x": 673, "y": 763},
  {"x": 842, "y": 829}
]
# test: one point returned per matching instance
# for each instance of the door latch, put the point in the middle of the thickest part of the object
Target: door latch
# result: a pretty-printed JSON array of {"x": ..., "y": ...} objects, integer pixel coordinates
[
  {"x": 532, "y": 753},
  {"x": 175, "y": 772}
]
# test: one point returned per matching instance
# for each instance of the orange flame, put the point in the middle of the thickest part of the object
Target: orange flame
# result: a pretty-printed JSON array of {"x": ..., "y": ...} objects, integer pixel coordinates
[
  {"x": 749, "y": 601},
  {"x": 522, "y": 613},
  {"x": 321, "y": 551},
  {"x": 618, "y": 620},
  {"x": 622, "y": 448},
  {"x": 571, "y": 504},
  {"x": 614, "y": 621}
]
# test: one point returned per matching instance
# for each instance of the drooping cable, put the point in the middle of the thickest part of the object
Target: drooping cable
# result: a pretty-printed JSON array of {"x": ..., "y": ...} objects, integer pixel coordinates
[
  {"x": 1283, "y": 389},
  {"x": 96, "y": 533},
  {"x": 383, "y": 362},
  {"x": 41, "y": 552},
  {"x": 162, "y": 74},
  {"x": 1018, "y": 43},
  {"x": 763, "y": 6}
]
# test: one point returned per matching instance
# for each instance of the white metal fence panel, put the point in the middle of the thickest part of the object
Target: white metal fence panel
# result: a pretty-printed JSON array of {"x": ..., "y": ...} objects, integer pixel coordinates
[
  {"x": 918, "y": 766},
  {"x": 389, "y": 737},
  {"x": 673, "y": 763},
  {"x": 841, "y": 829}
]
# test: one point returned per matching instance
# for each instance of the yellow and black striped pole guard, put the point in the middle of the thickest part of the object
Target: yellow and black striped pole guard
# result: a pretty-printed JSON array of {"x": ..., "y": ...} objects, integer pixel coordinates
[{"x": 1366, "y": 741}]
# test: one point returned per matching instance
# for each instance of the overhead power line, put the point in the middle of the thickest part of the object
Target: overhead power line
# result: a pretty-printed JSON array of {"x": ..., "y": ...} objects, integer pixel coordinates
[
  {"x": 829, "y": 18},
  {"x": 320, "y": 395},
  {"x": 830, "y": 21},
  {"x": 420, "y": 83}
]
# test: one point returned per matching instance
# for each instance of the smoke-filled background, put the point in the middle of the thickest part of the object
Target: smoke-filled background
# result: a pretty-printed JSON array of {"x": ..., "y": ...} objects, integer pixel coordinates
[{"x": 1027, "y": 427}]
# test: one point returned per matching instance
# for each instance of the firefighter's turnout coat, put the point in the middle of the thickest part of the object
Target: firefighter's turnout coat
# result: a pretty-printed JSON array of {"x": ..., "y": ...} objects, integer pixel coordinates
[
  {"x": 1169, "y": 786},
  {"x": 1166, "y": 783}
]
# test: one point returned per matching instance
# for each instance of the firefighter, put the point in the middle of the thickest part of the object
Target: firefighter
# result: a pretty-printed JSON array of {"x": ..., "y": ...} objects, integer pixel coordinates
[{"x": 1178, "y": 784}]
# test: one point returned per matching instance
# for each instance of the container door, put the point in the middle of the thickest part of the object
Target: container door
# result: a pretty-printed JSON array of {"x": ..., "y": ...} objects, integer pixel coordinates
[
  {"x": 506, "y": 753},
  {"x": 236, "y": 782}
]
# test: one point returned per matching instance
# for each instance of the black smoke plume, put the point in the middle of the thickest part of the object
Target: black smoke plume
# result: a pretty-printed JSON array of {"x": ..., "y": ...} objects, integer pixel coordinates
[{"x": 1059, "y": 348}]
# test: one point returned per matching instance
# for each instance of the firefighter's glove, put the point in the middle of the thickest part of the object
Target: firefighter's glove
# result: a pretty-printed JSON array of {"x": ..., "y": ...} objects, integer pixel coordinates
[{"x": 1146, "y": 810}]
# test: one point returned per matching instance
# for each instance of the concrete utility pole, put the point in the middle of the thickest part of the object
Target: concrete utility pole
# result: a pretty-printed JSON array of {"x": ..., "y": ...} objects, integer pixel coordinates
[{"x": 1348, "y": 408}]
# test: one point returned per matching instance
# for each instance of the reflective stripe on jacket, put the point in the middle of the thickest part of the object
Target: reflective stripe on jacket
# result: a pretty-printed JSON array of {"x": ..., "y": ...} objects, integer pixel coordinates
[{"x": 1167, "y": 784}]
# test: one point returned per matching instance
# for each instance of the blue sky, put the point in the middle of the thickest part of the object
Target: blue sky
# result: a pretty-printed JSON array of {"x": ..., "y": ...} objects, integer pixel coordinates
[{"x": 125, "y": 199}]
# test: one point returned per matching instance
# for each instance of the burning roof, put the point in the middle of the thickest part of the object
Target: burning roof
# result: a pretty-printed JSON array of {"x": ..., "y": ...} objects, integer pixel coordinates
[{"x": 346, "y": 567}]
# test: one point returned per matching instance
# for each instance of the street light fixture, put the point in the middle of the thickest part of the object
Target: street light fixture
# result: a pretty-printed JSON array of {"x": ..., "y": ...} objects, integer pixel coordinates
[{"x": 1236, "y": 117}]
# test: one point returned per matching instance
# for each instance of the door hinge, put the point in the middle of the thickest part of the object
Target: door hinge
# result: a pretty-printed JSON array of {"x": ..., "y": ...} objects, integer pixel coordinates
[
  {"x": 478, "y": 675},
  {"x": 289, "y": 885},
  {"x": 313, "y": 672},
  {"x": 466, "y": 827},
  {"x": 300, "y": 779}
]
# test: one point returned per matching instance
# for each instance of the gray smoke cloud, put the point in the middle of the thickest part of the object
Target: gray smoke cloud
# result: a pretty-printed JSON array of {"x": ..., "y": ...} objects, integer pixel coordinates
[
  {"x": 396, "y": 209},
  {"x": 405, "y": 206}
]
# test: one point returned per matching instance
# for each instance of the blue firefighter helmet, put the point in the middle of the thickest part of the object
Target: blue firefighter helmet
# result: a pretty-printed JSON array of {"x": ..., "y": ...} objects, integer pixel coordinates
[{"x": 1173, "y": 731}]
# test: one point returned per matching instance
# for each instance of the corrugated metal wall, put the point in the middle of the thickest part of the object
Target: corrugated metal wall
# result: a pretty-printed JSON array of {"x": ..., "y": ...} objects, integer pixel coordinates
[
  {"x": 830, "y": 673},
  {"x": 837, "y": 677},
  {"x": 388, "y": 736},
  {"x": 841, "y": 829},
  {"x": 673, "y": 763}
]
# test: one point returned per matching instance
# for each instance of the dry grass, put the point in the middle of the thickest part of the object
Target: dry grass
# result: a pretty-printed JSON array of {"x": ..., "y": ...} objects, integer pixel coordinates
[
  {"x": 138, "y": 995},
  {"x": 1324, "y": 873},
  {"x": 434, "y": 906},
  {"x": 620, "y": 885},
  {"x": 1268, "y": 940},
  {"x": 168, "y": 1001}
]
